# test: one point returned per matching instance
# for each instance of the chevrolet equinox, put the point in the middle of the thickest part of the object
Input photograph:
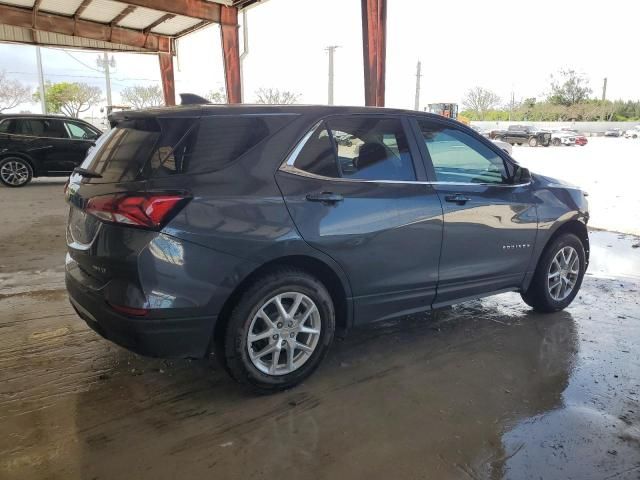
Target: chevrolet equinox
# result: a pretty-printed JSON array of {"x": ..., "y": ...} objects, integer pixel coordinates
[{"x": 255, "y": 232}]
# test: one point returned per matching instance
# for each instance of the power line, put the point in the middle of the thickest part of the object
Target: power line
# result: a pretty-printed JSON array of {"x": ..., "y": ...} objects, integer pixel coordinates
[{"x": 81, "y": 62}]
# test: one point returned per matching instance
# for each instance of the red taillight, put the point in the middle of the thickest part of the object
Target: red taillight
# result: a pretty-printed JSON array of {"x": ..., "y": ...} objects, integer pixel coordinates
[
  {"x": 149, "y": 211},
  {"x": 133, "y": 312}
]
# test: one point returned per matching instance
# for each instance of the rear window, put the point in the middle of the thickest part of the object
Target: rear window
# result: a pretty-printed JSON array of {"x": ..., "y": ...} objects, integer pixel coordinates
[{"x": 147, "y": 148}]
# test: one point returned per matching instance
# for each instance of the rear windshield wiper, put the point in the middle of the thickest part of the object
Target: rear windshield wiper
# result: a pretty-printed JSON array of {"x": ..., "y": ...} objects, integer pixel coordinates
[{"x": 86, "y": 173}]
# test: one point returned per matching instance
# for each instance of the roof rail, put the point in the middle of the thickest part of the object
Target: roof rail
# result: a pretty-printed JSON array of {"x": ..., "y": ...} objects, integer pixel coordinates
[{"x": 192, "y": 99}]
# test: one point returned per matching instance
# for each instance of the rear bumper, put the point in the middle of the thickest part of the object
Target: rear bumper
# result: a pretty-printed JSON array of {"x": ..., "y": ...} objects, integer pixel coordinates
[{"x": 173, "y": 337}]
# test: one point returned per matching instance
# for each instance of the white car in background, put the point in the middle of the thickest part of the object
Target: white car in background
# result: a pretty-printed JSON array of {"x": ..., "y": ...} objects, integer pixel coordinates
[
  {"x": 633, "y": 132},
  {"x": 560, "y": 137}
]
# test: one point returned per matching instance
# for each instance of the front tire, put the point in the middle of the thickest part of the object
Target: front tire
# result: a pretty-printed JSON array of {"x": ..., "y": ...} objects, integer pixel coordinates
[
  {"x": 558, "y": 276},
  {"x": 533, "y": 142},
  {"x": 279, "y": 331},
  {"x": 15, "y": 172}
]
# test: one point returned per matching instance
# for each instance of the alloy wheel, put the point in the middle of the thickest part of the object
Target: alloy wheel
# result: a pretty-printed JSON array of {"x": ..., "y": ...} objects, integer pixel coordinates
[
  {"x": 284, "y": 333},
  {"x": 14, "y": 173},
  {"x": 563, "y": 273}
]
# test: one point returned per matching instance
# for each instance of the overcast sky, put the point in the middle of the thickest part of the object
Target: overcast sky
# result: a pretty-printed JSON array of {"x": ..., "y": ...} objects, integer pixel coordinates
[{"x": 498, "y": 44}]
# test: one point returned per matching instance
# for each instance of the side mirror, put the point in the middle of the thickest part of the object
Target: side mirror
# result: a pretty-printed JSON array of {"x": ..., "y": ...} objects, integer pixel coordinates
[{"x": 521, "y": 175}]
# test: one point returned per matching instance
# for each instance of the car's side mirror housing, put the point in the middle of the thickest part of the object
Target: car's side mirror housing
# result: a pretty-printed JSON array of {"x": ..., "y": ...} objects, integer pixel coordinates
[{"x": 521, "y": 175}]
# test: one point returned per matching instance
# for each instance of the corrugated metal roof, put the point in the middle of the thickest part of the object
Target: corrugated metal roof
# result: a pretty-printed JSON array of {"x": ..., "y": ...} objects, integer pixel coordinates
[
  {"x": 103, "y": 11},
  {"x": 62, "y": 7},
  {"x": 20, "y": 3},
  {"x": 140, "y": 18},
  {"x": 176, "y": 25},
  {"x": 109, "y": 13}
]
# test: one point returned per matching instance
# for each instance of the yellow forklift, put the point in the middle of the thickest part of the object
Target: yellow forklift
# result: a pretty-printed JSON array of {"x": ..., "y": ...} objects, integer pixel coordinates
[{"x": 449, "y": 110}]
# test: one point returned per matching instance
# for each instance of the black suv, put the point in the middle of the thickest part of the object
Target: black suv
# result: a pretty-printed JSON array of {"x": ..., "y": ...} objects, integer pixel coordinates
[
  {"x": 257, "y": 231},
  {"x": 41, "y": 145},
  {"x": 519, "y": 134}
]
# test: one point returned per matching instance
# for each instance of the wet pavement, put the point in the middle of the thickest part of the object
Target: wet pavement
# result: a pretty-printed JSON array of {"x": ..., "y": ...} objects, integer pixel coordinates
[{"x": 487, "y": 389}]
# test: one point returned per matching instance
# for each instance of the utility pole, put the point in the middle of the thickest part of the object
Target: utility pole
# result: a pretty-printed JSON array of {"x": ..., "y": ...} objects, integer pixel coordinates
[
  {"x": 43, "y": 100},
  {"x": 604, "y": 89},
  {"x": 511, "y": 104},
  {"x": 331, "y": 49},
  {"x": 416, "y": 104},
  {"x": 106, "y": 63}
]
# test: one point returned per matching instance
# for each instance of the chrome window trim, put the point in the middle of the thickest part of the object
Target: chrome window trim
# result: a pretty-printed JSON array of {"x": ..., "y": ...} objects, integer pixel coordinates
[
  {"x": 288, "y": 167},
  {"x": 292, "y": 157},
  {"x": 49, "y": 138},
  {"x": 296, "y": 171}
]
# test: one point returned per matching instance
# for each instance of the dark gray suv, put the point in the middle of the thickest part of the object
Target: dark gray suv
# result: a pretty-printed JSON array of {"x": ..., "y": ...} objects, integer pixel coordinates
[{"x": 257, "y": 231}]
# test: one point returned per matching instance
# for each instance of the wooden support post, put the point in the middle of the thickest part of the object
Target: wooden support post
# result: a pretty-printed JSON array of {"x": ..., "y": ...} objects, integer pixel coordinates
[
  {"x": 374, "y": 47},
  {"x": 168, "y": 82},
  {"x": 231, "y": 53}
]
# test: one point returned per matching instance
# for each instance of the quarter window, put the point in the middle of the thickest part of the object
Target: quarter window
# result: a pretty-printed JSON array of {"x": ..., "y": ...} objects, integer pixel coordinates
[
  {"x": 460, "y": 158},
  {"x": 358, "y": 148},
  {"x": 80, "y": 132},
  {"x": 317, "y": 154}
]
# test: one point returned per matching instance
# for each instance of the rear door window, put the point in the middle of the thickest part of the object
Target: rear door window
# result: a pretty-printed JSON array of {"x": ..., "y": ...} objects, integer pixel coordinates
[
  {"x": 48, "y": 128},
  {"x": 358, "y": 148}
]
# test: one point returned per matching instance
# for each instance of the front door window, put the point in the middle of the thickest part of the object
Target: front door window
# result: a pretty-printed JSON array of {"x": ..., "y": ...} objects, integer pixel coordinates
[{"x": 457, "y": 157}]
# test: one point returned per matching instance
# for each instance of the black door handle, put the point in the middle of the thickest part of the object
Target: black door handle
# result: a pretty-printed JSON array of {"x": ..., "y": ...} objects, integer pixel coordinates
[
  {"x": 325, "y": 197},
  {"x": 457, "y": 198}
]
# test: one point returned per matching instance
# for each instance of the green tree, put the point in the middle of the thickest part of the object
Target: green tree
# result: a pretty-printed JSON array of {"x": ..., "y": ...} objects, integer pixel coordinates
[
  {"x": 568, "y": 87},
  {"x": 69, "y": 98},
  {"x": 140, "y": 96}
]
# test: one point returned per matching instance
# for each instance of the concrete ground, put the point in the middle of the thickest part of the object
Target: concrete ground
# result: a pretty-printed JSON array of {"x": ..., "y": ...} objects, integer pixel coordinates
[{"x": 487, "y": 389}]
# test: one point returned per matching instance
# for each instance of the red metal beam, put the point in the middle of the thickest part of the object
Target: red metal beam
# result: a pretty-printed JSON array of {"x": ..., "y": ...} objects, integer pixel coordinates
[
  {"x": 121, "y": 16},
  {"x": 22, "y": 17},
  {"x": 168, "y": 82},
  {"x": 81, "y": 8},
  {"x": 231, "y": 53},
  {"x": 374, "y": 49}
]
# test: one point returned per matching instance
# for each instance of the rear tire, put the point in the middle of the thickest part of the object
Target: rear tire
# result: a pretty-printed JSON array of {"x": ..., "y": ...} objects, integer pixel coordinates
[
  {"x": 556, "y": 142},
  {"x": 15, "y": 172},
  {"x": 533, "y": 142},
  {"x": 543, "y": 295},
  {"x": 257, "y": 325}
]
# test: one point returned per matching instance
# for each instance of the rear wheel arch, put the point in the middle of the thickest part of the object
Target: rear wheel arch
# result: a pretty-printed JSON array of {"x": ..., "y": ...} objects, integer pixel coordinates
[
  {"x": 313, "y": 266},
  {"x": 24, "y": 157}
]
